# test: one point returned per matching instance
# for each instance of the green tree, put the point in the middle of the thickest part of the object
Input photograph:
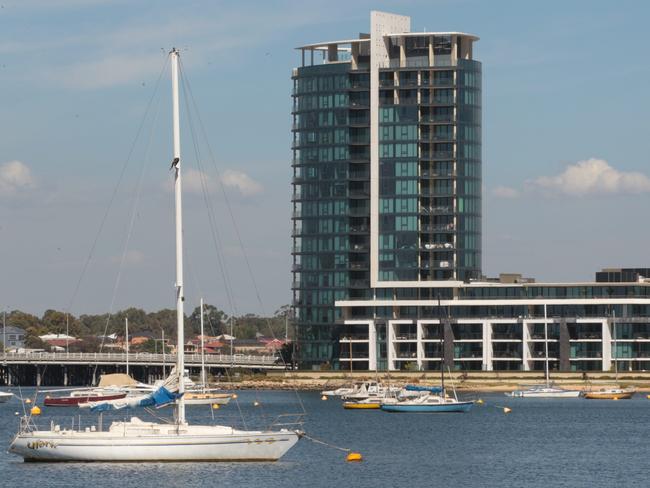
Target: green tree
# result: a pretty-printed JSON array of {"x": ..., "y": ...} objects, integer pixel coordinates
[{"x": 214, "y": 320}]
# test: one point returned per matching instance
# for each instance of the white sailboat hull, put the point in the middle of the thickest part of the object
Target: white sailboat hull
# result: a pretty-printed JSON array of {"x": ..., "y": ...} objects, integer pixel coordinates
[
  {"x": 140, "y": 441},
  {"x": 5, "y": 397},
  {"x": 544, "y": 393}
]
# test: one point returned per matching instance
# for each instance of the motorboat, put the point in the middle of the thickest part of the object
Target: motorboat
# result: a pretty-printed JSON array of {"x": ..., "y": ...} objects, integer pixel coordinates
[
  {"x": 370, "y": 403},
  {"x": 344, "y": 390},
  {"x": 135, "y": 440},
  {"x": 370, "y": 389}
]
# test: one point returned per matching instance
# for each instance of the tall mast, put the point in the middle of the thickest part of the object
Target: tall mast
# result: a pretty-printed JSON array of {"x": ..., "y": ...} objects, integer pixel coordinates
[
  {"x": 126, "y": 326},
  {"x": 203, "y": 382},
  {"x": 176, "y": 164},
  {"x": 546, "y": 349}
]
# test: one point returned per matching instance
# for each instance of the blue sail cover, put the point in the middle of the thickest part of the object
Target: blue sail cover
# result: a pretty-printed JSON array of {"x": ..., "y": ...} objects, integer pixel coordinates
[
  {"x": 432, "y": 389},
  {"x": 159, "y": 398}
]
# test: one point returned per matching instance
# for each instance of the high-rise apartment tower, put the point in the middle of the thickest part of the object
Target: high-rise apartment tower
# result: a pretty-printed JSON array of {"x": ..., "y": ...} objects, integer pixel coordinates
[{"x": 386, "y": 171}]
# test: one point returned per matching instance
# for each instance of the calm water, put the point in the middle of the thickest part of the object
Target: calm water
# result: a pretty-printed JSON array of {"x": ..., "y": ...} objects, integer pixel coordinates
[{"x": 542, "y": 443}]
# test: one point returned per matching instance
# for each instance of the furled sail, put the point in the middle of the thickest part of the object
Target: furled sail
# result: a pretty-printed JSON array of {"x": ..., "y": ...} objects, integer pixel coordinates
[{"x": 166, "y": 393}]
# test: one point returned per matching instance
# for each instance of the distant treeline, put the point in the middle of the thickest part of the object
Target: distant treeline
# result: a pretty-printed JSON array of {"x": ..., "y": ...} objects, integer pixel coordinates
[{"x": 91, "y": 327}]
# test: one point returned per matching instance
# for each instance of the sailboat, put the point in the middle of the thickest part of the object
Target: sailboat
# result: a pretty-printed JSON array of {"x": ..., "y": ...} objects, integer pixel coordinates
[
  {"x": 546, "y": 390},
  {"x": 613, "y": 392},
  {"x": 428, "y": 399},
  {"x": 202, "y": 394},
  {"x": 137, "y": 440}
]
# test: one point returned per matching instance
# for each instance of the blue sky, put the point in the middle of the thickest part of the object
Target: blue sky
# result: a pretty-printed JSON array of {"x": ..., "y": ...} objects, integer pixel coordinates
[{"x": 565, "y": 153}]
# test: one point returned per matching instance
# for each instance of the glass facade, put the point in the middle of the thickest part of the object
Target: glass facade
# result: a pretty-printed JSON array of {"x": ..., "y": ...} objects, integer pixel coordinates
[
  {"x": 428, "y": 127},
  {"x": 331, "y": 210}
]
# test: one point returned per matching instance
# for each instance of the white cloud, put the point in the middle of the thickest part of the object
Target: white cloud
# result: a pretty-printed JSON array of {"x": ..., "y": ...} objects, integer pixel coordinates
[
  {"x": 505, "y": 192},
  {"x": 244, "y": 183},
  {"x": 593, "y": 177},
  {"x": 15, "y": 176}
]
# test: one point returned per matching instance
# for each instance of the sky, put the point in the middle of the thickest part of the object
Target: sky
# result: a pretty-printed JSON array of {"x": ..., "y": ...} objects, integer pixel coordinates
[{"x": 566, "y": 166}]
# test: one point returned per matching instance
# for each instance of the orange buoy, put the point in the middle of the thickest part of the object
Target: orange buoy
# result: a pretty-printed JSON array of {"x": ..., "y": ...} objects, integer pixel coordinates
[
  {"x": 35, "y": 410},
  {"x": 354, "y": 457}
]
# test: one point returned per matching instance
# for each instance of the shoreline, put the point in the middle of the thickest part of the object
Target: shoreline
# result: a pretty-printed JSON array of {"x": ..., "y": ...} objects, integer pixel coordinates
[{"x": 475, "y": 381}]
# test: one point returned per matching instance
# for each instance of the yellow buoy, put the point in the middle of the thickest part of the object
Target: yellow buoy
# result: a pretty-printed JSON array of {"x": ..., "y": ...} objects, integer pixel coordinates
[
  {"x": 480, "y": 401},
  {"x": 648, "y": 397},
  {"x": 28, "y": 401},
  {"x": 215, "y": 406},
  {"x": 324, "y": 397},
  {"x": 354, "y": 457},
  {"x": 507, "y": 410},
  {"x": 35, "y": 410}
]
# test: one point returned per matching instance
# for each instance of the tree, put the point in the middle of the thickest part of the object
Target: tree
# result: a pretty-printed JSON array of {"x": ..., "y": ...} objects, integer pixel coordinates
[
  {"x": 56, "y": 322},
  {"x": 35, "y": 342},
  {"x": 214, "y": 320}
]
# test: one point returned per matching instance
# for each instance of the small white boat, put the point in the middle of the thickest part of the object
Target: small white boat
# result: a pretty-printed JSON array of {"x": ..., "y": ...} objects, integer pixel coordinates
[
  {"x": 370, "y": 389},
  {"x": 344, "y": 390},
  {"x": 543, "y": 391},
  {"x": 546, "y": 390},
  {"x": 5, "y": 396}
]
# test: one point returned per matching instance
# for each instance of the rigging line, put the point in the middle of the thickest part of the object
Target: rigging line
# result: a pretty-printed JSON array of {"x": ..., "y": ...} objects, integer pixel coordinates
[
  {"x": 225, "y": 196},
  {"x": 208, "y": 203},
  {"x": 134, "y": 212},
  {"x": 211, "y": 218},
  {"x": 232, "y": 218},
  {"x": 117, "y": 186}
]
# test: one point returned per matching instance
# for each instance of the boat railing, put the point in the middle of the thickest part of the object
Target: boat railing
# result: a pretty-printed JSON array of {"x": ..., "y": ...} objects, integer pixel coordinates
[{"x": 290, "y": 421}]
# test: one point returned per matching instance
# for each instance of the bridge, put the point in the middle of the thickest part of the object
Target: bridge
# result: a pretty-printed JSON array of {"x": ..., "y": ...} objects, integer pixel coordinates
[{"x": 63, "y": 368}]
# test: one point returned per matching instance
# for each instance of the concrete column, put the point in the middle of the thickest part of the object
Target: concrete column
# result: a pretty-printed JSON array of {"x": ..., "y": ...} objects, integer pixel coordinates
[
  {"x": 487, "y": 346},
  {"x": 354, "y": 55},
  {"x": 402, "y": 54},
  {"x": 65, "y": 376},
  {"x": 565, "y": 346},
  {"x": 390, "y": 345},
  {"x": 431, "y": 53},
  {"x": 607, "y": 346},
  {"x": 525, "y": 345},
  {"x": 448, "y": 344},
  {"x": 372, "y": 345},
  {"x": 38, "y": 376},
  {"x": 420, "y": 347},
  {"x": 454, "y": 50}
]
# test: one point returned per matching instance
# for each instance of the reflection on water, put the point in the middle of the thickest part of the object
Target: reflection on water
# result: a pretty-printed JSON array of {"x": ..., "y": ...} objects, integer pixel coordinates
[{"x": 542, "y": 443}]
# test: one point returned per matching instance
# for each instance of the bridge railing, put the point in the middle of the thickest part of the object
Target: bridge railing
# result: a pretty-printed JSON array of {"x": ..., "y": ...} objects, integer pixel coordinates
[{"x": 142, "y": 357}]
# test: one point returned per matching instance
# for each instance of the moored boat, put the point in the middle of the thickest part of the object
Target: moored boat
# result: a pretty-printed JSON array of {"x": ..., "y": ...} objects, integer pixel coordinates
[
  {"x": 136, "y": 440},
  {"x": 609, "y": 394},
  {"x": 372, "y": 403},
  {"x": 5, "y": 396},
  {"x": 79, "y": 397},
  {"x": 429, "y": 400},
  {"x": 543, "y": 391}
]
